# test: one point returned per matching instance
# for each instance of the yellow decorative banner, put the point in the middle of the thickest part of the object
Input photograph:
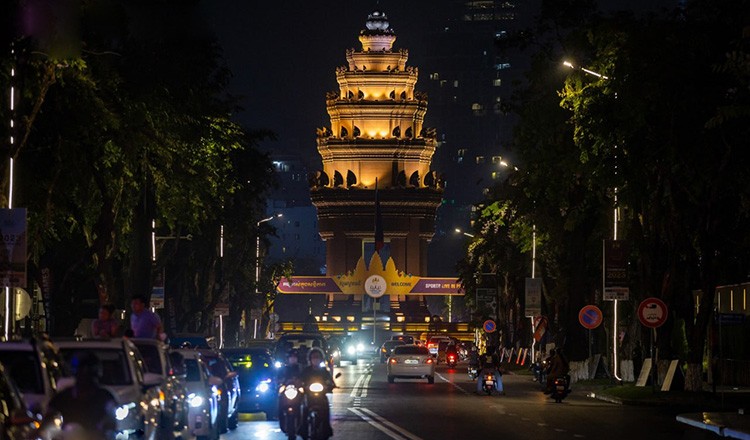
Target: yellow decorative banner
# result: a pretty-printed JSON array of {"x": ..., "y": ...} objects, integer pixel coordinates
[{"x": 374, "y": 281}]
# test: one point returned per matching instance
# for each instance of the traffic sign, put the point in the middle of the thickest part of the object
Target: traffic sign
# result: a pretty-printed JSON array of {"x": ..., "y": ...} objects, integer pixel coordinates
[
  {"x": 590, "y": 317},
  {"x": 652, "y": 312},
  {"x": 489, "y": 326},
  {"x": 540, "y": 327}
]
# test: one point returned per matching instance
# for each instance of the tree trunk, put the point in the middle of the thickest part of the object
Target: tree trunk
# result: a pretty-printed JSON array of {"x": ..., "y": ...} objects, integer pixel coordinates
[{"x": 694, "y": 377}]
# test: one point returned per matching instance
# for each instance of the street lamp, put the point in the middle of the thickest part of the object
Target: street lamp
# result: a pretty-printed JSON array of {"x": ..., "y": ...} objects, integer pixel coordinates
[
  {"x": 257, "y": 264},
  {"x": 459, "y": 231}
]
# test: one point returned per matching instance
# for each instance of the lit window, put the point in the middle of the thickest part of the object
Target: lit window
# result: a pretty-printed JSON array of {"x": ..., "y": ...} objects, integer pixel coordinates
[
  {"x": 461, "y": 152},
  {"x": 497, "y": 82},
  {"x": 455, "y": 83},
  {"x": 496, "y": 159},
  {"x": 435, "y": 76},
  {"x": 477, "y": 107},
  {"x": 480, "y": 159},
  {"x": 495, "y": 175}
]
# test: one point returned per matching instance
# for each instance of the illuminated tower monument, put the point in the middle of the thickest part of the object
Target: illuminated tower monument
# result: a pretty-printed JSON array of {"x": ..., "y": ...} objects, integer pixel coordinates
[{"x": 376, "y": 132}]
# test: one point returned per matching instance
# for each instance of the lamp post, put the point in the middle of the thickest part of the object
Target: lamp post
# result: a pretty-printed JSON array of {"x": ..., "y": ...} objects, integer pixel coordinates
[
  {"x": 257, "y": 265},
  {"x": 459, "y": 231},
  {"x": 616, "y": 217}
]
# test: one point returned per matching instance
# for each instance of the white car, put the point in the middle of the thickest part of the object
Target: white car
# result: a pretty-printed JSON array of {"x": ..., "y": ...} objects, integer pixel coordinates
[
  {"x": 203, "y": 396},
  {"x": 140, "y": 400},
  {"x": 411, "y": 361},
  {"x": 37, "y": 368}
]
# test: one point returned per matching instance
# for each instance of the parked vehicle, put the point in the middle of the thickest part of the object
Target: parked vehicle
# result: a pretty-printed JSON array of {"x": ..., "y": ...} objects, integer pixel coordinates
[
  {"x": 203, "y": 396},
  {"x": 257, "y": 377},
  {"x": 16, "y": 421},
  {"x": 411, "y": 361},
  {"x": 156, "y": 355},
  {"x": 37, "y": 369},
  {"x": 123, "y": 373}
]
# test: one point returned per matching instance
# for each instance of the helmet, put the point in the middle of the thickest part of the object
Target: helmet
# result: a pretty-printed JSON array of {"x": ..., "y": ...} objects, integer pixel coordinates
[{"x": 473, "y": 348}]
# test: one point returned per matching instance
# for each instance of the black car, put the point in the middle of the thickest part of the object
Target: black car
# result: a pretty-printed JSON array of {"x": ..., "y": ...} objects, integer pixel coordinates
[
  {"x": 257, "y": 375},
  {"x": 387, "y": 348},
  {"x": 303, "y": 342}
]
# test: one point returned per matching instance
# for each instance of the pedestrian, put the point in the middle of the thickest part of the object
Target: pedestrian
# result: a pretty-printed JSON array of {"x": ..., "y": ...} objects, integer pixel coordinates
[
  {"x": 105, "y": 326},
  {"x": 144, "y": 322}
]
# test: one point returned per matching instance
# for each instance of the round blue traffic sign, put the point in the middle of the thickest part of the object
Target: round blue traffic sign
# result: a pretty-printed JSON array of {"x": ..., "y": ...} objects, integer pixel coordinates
[
  {"x": 489, "y": 326},
  {"x": 590, "y": 317}
]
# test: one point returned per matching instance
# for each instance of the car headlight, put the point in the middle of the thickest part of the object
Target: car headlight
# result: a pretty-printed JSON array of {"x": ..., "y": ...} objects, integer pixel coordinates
[
  {"x": 195, "y": 400},
  {"x": 360, "y": 347},
  {"x": 122, "y": 411},
  {"x": 278, "y": 364},
  {"x": 351, "y": 349},
  {"x": 316, "y": 387},
  {"x": 263, "y": 386}
]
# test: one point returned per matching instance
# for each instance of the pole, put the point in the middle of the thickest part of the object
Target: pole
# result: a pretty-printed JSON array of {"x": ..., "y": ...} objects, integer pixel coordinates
[
  {"x": 654, "y": 376},
  {"x": 9, "y": 296},
  {"x": 614, "y": 320},
  {"x": 533, "y": 273}
]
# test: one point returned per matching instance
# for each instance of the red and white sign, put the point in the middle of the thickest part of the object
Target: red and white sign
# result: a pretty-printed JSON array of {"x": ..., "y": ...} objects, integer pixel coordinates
[
  {"x": 540, "y": 327},
  {"x": 652, "y": 312},
  {"x": 590, "y": 317}
]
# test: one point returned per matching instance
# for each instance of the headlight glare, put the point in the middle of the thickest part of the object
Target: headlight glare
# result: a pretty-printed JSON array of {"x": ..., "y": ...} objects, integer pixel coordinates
[
  {"x": 290, "y": 392},
  {"x": 195, "y": 400},
  {"x": 121, "y": 412},
  {"x": 316, "y": 387}
]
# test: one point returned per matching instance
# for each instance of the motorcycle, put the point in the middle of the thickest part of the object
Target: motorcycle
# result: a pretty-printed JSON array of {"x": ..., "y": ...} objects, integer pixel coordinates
[
  {"x": 489, "y": 383},
  {"x": 315, "y": 408},
  {"x": 473, "y": 372},
  {"x": 290, "y": 411},
  {"x": 561, "y": 388},
  {"x": 452, "y": 360}
]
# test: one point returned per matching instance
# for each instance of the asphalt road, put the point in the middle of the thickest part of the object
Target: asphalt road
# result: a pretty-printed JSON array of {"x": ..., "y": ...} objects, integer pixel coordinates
[{"x": 367, "y": 407}]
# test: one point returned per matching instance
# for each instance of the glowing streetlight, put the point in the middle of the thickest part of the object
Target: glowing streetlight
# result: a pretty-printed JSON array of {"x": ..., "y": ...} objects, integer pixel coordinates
[
  {"x": 459, "y": 231},
  {"x": 257, "y": 263},
  {"x": 590, "y": 72}
]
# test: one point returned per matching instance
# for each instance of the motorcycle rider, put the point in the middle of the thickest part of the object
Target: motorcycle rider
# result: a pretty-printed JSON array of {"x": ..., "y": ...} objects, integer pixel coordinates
[
  {"x": 451, "y": 350},
  {"x": 473, "y": 360},
  {"x": 489, "y": 363},
  {"x": 316, "y": 371},
  {"x": 291, "y": 372},
  {"x": 86, "y": 405},
  {"x": 559, "y": 367}
]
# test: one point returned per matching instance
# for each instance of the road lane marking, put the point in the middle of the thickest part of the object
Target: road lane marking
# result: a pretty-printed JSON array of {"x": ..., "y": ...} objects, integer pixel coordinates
[
  {"x": 446, "y": 380},
  {"x": 356, "y": 385},
  {"x": 391, "y": 425},
  {"x": 376, "y": 425},
  {"x": 365, "y": 384}
]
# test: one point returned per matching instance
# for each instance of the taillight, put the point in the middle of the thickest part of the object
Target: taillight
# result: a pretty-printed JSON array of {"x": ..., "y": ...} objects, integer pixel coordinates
[
  {"x": 428, "y": 361},
  {"x": 393, "y": 360}
]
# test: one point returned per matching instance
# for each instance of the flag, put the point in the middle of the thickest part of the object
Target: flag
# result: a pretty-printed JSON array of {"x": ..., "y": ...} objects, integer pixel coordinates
[{"x": 379, "y": 239}]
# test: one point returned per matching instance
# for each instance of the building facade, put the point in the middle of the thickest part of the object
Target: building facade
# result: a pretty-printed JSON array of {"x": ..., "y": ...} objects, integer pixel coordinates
[{"x": 376, "y": 143}]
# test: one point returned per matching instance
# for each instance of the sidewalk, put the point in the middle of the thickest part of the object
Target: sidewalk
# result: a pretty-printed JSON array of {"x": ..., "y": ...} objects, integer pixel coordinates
[
  {"x": 732, "y": 425},
  {"x": 724, "y": 413}
]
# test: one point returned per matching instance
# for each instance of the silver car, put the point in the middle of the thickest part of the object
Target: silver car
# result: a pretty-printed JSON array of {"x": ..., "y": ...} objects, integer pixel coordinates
[
  {"x": 37, "y": 368},
  {"x": 123, "y": 373},
  {"x": 411, "y": 361},
  {"x": 203, "y": 396}
]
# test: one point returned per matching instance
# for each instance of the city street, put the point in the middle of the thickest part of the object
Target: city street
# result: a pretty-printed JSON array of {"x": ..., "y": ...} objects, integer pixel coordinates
[{"x": 367, "y": 407}]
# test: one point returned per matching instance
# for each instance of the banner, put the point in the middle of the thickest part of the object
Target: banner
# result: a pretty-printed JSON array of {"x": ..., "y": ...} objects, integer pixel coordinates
[
  {"x": 533, "y": 297},
  {"x": 13, "y": 249},
  {"x": 616, "y": 270},
  {"x": 373, "y": 280}
]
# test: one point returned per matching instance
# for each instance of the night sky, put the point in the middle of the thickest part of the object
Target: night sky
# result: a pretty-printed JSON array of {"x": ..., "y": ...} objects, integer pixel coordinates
[{"x": 284, "y": 54}]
